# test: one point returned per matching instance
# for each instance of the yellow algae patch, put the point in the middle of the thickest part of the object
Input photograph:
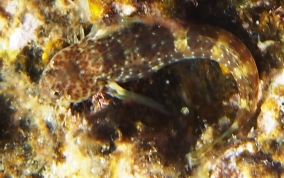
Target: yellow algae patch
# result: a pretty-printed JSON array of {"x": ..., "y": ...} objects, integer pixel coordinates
[
  {"x": 97, "y": 9},
  {"x": 3, "y": 23},
  {"x": 121, "y": 164},
  {"x": 49, "y": 47},
  {"x": 224, "y": 69},
  {"x": 278, "y": 90},
  {"x": 9, "y": 56},
  {"x": 127, "y": 161},
  {"x": 181, "y": 45},
  {"x": 268, "y": 123},
  {"x": 272, "y": 107}
]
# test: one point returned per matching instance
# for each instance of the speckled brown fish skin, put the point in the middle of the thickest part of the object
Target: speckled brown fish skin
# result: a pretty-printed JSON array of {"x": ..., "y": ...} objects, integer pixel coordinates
[{"x": 138, "y": 50}]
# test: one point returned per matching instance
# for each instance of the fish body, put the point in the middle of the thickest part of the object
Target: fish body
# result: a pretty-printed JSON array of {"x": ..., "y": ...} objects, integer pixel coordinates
[{"x": 136, "y": 50}]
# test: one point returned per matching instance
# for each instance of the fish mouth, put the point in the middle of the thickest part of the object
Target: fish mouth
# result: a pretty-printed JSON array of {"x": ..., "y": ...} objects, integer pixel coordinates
[
  {"x": 48, "y": 95},
  {"x": 45, "y": 91}
]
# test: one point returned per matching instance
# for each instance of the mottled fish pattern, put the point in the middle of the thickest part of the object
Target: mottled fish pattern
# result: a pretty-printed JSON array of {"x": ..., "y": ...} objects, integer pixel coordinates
[{"x": 137, "y": 50}]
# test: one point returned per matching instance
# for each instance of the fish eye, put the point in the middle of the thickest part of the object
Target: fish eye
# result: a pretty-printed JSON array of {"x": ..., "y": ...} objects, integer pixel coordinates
[
  {"x": 56, "y": 91},
  {"x": 56, "y": 94}
]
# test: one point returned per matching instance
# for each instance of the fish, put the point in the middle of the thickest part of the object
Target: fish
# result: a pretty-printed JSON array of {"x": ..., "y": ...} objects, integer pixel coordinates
[{"x": 138, "y": 49}]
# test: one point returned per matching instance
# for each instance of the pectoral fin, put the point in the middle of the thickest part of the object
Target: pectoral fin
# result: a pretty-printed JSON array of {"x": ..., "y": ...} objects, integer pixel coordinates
[{"x": 121, "y": 93}]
